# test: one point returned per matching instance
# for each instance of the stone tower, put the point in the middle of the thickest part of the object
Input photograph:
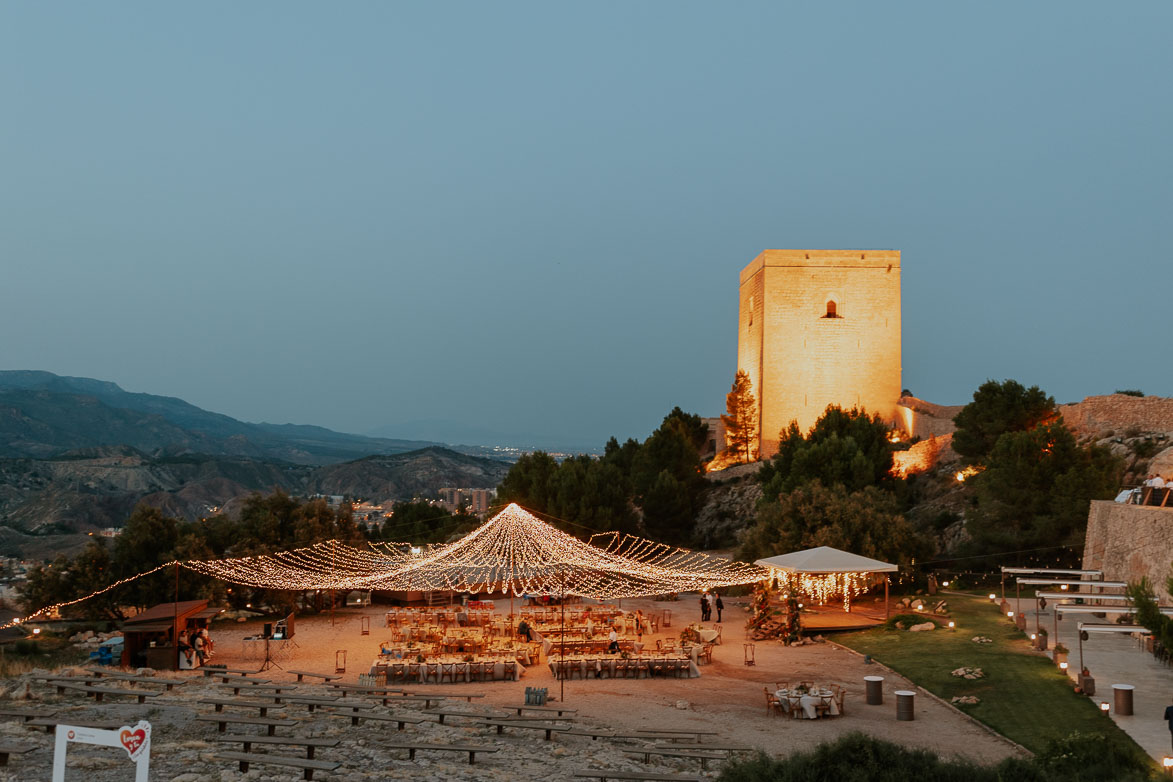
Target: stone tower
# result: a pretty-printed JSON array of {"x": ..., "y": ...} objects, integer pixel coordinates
[{"x": 816, "y": 328}]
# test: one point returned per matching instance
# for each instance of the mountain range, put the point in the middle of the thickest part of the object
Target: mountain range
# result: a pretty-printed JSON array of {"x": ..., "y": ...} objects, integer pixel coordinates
[{"x": 77, "y": 454}]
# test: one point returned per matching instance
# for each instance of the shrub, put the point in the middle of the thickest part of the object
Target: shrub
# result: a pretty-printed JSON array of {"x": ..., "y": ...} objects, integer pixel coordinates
[{"x": 1130, "y": 391}]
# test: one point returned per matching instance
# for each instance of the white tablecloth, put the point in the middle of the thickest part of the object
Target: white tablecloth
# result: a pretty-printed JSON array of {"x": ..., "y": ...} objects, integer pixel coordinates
[
  {"x": 429, "y": 673},
  {"x": 809, "y": 702}
]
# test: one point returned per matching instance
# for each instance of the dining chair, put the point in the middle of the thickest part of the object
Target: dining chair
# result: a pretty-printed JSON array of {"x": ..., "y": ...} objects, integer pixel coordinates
[
  {"x": 773, "y": 705},
  {"x": 448, "y": 670},
  {"x": 840, "y": 692}
]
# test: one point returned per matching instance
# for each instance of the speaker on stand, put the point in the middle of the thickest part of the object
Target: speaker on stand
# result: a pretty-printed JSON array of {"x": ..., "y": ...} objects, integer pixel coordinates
[{"x": 269, "y": 661}]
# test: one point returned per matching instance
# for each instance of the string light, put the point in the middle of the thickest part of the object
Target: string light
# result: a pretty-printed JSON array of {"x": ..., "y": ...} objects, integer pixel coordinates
[
  {"x": 823, "y": 587},
  {"x": 514, "y": 552},
  {"x": 57, "y": 606}
]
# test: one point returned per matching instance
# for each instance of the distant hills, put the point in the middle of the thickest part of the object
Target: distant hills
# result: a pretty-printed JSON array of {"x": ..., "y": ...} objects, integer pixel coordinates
[
  {"x": 78, "y": 454},
  {"x": 43, "y": 415}
]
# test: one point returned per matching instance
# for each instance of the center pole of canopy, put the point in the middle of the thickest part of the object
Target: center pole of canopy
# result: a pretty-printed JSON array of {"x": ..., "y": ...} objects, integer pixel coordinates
[{"x": 562, "y": 653}]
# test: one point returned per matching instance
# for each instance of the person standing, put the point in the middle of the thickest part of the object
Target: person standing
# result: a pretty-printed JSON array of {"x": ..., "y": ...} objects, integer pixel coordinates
[
  {"x": 1169, "y": 719},
  {"x": 712, "y": 604},
  {"x": 704, "y": 607},
  {"x": 718, "y": 605},
  {"x": 613, "y": 648}
]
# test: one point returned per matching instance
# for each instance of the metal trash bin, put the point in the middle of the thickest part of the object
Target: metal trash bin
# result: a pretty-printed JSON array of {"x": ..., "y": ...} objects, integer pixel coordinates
[
  {"x": 1122, "y": 694},
  {"x": 905, "y": 701},
  {"x": 874, "y": 688}
]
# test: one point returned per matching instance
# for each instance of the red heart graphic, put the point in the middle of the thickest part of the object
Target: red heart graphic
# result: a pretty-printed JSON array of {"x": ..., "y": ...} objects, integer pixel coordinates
[{"x": 132, "y": 740}]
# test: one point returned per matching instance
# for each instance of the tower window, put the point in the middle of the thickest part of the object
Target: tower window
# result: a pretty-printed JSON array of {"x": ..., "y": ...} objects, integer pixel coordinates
[{"x": 832, "y": 310}]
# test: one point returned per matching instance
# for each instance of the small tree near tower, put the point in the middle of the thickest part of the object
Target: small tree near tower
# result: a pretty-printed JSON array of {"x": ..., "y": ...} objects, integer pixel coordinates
[{"x": 741, "y": 419}]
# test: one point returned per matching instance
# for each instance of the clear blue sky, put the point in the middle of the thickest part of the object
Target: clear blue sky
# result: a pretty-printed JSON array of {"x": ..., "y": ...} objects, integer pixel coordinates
[{"x": 531, "y": 217}]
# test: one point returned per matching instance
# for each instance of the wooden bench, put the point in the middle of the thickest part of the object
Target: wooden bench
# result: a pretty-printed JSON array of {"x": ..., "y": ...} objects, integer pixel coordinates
[
  {"x": 672, "y": 735},
  {"x": 710, "y": 747},
  {"x": 704, "y": 757},
  {"x": 594, "y": 734},
  {"x": 13, "y": 749},
  {"x": 501, "y": 724},
  {"x": 471, "y": 749},
  {"x": 364, "y": 689},
  {"x": 427, "y": 699},
  {"x": 229, "y": 671},
  {"x": 296, "y": 741},
  {"x": 309, "y": 766},
  {"x": 97, "y": 693},
  {"x": 311, "y": 701},
  {"x": 327, "y": 677},
  {"x": 603, "y": 774},
  {"x": 27, "y": 714},
  {"x": 168, "y": 684},
  {"x": 440, "y": 714},
  {"x": 259, "y": 689},
  {"x": 222, "y": 720},
  {"x": 220, "y": 703},
  {"x": 544, "y": 710},
  {"x": 399, "y": 719},
  {"x": 50, "y": 724}
]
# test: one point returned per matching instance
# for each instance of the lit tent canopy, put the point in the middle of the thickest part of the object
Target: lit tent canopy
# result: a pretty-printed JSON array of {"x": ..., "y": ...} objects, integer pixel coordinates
[
  {"x": 514, "y": 552},
  {"x": 825, "y": 572}
]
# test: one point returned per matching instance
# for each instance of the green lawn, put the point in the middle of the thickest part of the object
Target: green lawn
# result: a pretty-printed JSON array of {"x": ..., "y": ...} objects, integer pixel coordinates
[{"x": 1024, "y": 696}]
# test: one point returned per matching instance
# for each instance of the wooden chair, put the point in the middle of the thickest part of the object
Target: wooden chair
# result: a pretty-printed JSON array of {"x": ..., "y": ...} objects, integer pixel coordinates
[
  {"x": 782, "y": 685},
  {"x": 773, "y": 705},
  {"x": 706, "y": 654},
  {"x": 840, "y": 692}
]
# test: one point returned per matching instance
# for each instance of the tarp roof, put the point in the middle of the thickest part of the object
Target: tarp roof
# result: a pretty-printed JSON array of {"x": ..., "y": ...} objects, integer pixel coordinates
[
  {"x": 825, "y": 559},
  {"x": 165, "y": 612}
]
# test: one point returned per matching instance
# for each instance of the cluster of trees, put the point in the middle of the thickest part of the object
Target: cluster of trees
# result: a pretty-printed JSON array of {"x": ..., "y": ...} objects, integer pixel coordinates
[
  {"x": 1035, "y": 481},
  {"x": 653, "y": 488},
  {"x": 267, "y": 524},
  {"x": 857, "y": 756},
  {"x": 834, "y": 487}
]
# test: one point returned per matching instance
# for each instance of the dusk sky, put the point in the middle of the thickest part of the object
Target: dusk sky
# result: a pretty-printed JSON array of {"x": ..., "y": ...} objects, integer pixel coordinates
[{"x": 530, "y": 218}]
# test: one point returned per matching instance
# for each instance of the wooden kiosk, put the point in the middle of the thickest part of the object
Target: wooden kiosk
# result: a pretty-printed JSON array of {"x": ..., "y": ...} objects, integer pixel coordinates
[{"x": 149, "y": 638}]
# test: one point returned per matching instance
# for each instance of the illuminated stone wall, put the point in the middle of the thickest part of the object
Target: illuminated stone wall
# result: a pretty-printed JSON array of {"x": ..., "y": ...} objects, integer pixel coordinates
[
  {"x": 800, "y": 360},
  {"x": 1130, "y": 541}
]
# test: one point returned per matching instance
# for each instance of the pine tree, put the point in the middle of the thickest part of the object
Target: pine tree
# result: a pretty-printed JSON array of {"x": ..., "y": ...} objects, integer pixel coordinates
[{"x": 741, "y": 420}]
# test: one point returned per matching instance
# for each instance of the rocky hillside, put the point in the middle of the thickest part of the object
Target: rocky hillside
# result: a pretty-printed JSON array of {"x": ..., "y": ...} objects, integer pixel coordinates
[
  {"x": 406, "y": 475},
  {"x": 43, "y": 415}
]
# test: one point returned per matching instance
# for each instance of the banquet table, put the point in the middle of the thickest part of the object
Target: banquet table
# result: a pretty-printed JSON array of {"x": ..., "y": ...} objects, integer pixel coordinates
[
  {"x": 809, "y": 702},
  {"x": 604, "y": 665},
  {"x": 429, "y": 672}
]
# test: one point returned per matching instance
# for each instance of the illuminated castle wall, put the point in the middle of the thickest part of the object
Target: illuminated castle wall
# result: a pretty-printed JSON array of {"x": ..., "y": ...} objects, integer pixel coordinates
[{"x": 820, "y": 327}]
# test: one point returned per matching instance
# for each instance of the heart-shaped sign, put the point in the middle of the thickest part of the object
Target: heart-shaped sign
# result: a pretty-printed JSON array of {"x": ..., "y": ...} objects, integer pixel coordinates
[{"x": 134, "y": 740}]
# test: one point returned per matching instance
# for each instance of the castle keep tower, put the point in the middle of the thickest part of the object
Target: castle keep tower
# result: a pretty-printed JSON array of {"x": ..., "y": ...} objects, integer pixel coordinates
[{"x": 816, "y": 328}]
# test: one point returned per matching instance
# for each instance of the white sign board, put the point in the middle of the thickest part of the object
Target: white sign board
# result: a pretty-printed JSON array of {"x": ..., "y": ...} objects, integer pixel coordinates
[{"x": 136, "y": 741}]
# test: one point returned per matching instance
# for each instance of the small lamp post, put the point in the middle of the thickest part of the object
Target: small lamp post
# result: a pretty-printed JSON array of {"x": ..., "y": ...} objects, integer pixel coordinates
[{"x": 1105, "y": 707}]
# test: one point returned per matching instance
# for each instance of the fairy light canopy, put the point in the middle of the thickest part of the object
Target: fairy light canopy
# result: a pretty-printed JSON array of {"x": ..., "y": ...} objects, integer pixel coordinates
[{"x": 514, "y": 552}]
